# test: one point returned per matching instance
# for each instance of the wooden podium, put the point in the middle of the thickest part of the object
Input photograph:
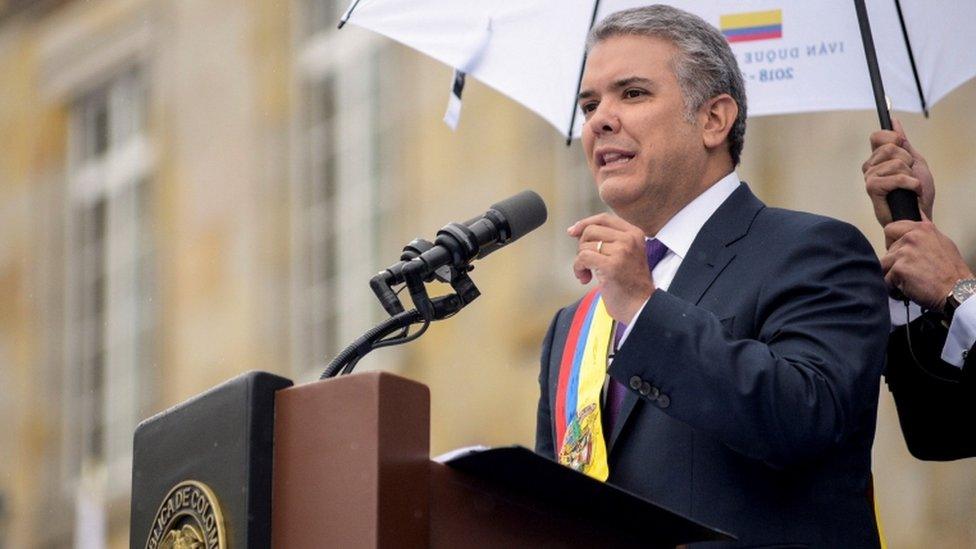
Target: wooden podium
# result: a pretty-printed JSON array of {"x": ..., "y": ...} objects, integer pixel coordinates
[{"x": 346, "y": 463}]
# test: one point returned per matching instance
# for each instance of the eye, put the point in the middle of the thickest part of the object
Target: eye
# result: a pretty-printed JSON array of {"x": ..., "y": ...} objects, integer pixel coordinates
[
  {"x": 633, "y": 93},
  {"x": 588, "y": 107}
]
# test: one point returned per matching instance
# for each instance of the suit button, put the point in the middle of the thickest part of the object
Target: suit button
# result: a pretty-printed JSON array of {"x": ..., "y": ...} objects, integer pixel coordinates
[
  {"x": 635, "y": 383},
  {"x": 654, "y": 393},
  {"x": 645, "y": 388},
  {"x": 663, "y": 401}
]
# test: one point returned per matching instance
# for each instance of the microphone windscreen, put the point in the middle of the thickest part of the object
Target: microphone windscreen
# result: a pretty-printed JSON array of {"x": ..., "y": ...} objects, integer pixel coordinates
[{"x": 524, "y": 212}]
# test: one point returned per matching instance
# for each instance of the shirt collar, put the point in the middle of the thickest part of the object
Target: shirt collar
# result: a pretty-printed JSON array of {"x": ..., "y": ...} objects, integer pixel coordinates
[{"x": 680, "y": 231}]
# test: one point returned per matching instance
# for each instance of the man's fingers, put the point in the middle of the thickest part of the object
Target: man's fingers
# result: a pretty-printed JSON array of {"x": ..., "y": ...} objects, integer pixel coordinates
[
  {"x": 895, "y": 230},
  {"x": 881, "y": 185},
  {"x": 881, "y": 211},
  {"x": 916, "y": 155},
  {"x": 891, "y": 166},
  {"x": 899, "y": 129},
  {"x": 886, "y": 262},
  {"x": 602, "y": 247},
  {"x": 599, "y": 219},
  {"x": 602, "y": 219},
  {"x": 889, "y": 153},
  {"x": 882, "y": 137},
  {"x": 595, "y": 233},
  {"x": 891, "y": 279},
  {"x": 891, "y": 264},
  {"x": 914, "y": 152},
  {"x": 586, "y": 263},
  {"x": 582, "y": 272}
]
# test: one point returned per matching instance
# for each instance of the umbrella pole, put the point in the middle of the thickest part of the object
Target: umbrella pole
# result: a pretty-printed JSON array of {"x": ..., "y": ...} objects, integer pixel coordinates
[
  {"x": 579, "y": 79},
  {"x": 342, "y": 22},
  {"x": 903, "y": 203},
  {"x": 872, "y": 58},
  {"x": 911, "y": 58}
]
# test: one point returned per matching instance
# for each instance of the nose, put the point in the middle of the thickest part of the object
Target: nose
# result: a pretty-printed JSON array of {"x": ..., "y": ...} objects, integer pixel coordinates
[{"x": 604, "y": 119}]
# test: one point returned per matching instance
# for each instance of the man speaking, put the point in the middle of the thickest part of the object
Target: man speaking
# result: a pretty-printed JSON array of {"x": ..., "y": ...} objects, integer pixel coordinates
[{"x": 726, "y": 363}]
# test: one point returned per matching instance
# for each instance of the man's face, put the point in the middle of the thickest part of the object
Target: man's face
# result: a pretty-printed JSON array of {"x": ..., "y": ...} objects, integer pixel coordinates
[{"x": 639, "y": 144}]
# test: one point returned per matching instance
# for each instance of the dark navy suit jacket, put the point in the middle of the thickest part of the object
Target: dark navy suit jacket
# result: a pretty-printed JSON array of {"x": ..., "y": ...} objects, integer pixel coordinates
[
  {"x": 765, "y": 356},
  {"x": 936, "y": 401}
]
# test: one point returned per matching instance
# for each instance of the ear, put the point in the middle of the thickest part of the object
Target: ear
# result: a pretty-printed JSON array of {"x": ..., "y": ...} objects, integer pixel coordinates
[{"x": 717, "y": 116}]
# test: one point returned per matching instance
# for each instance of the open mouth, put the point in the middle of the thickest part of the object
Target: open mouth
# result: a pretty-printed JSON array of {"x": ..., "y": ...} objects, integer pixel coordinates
[{"x": 614, "y": 158}]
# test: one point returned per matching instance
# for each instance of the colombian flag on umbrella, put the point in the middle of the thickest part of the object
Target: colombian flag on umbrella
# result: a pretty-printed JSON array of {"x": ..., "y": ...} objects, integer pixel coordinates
[{"x": 753, "y": 25}]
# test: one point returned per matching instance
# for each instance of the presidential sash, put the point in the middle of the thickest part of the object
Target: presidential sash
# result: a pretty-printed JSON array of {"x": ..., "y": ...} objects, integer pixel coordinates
[{"x": 579, "y": 427}]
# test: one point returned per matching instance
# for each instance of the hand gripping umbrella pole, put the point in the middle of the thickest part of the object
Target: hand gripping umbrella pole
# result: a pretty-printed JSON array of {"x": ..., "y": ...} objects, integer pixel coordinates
[{"x": 903, "y": 203}]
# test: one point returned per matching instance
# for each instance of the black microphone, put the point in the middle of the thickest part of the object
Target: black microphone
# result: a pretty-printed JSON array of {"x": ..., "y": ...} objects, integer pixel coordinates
[{"x": 458, "y": 244}]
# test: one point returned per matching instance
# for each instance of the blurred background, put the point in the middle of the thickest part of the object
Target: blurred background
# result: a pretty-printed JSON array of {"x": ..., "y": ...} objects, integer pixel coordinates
[{"x": 190, "y": 189}]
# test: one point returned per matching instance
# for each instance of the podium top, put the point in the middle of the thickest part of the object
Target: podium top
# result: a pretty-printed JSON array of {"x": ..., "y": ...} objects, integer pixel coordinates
[{"x": 574, "y": 494}]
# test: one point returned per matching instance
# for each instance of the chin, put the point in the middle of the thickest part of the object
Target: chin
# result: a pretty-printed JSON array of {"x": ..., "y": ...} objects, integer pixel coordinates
[{"x": 618, "y": 194}]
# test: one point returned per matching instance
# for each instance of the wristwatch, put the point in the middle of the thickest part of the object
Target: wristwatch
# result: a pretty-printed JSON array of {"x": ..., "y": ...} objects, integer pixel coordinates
[{"x": 963, "y": 290}]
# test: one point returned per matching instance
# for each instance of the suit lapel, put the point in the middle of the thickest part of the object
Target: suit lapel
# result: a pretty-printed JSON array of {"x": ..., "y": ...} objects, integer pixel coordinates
[{"x": 712, "y": 250}]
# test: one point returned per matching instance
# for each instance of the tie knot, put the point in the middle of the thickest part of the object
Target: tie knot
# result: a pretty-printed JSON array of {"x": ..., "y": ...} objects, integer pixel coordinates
[{"x": 655, "y": 252}]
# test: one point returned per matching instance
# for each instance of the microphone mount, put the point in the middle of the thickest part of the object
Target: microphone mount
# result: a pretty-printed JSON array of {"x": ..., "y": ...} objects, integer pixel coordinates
[
  {"x": 414, "y": 272},
  {"x": 447, "y": 260}
]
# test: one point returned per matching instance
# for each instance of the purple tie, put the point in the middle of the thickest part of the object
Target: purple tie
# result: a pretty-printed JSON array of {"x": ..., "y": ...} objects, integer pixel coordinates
[{"x": 655, "y": 251}]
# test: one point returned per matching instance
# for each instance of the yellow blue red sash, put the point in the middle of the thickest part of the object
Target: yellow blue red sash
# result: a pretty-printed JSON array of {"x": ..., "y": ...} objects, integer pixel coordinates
[{"x": 579, "y": 427}]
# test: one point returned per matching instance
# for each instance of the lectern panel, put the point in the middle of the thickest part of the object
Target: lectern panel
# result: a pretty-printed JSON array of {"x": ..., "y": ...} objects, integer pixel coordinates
[{"x": 202, "y": 470}]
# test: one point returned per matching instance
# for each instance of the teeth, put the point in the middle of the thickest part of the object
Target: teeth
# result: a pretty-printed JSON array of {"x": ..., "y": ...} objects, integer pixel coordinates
[{"x": 615, "y": 158}]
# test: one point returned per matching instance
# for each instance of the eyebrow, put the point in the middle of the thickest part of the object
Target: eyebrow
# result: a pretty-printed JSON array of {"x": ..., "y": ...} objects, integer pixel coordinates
[{"x": 622, "y": 83}]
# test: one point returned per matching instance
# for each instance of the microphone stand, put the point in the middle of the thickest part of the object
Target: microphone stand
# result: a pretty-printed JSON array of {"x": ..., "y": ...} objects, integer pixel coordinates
[{"x": 427, "y": 310}]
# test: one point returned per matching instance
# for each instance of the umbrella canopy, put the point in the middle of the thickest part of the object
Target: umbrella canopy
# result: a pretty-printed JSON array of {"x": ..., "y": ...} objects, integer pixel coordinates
[{"x": 796, "y": 55}]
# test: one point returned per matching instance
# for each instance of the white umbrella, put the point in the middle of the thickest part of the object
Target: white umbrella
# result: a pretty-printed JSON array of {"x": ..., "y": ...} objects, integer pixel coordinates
[{"x": 796, "y": 55}]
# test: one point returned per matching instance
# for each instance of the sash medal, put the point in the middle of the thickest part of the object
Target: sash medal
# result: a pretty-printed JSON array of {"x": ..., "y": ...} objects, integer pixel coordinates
[{"x": 579, "y": 426}]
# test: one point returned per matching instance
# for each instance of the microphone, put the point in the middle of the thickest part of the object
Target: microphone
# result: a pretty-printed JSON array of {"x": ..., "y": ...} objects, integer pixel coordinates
[
  {"x": 458, "y": 244},
  {"x": 447, "y": 259}
]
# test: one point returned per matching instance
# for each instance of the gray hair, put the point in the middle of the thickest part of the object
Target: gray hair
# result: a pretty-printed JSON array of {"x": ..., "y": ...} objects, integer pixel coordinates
[{"x": 704, "y": 66}]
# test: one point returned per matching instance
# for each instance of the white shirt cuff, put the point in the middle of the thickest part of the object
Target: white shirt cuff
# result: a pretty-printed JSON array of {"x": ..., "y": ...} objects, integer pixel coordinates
[
  {"x": 962, "y": 334},
  {"x": 896, "y": 309},
  {"x": 630, "y": 325}
]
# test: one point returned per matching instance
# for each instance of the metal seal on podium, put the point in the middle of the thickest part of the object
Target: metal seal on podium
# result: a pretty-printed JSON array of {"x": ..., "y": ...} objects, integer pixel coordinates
[{"x": 189, "y": 516}]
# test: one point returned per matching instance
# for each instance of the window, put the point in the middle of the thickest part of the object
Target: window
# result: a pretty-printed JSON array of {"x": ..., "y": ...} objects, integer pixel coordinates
[
  {"x": 111, "y": 314},
  {"x": 341, "y": 193}
]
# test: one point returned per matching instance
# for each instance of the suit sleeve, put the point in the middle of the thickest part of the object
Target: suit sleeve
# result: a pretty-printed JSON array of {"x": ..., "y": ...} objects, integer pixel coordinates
[
  {"x": 543, "y": 430},
  {"x": 803, "y": 381},
  {"x": 936, "y": 401}
]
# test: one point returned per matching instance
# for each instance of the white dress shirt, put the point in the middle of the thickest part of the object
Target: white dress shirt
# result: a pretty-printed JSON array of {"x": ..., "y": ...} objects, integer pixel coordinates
[
  {"x": 680, "y": 231},
  {"x": 962, "y": 329}
]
